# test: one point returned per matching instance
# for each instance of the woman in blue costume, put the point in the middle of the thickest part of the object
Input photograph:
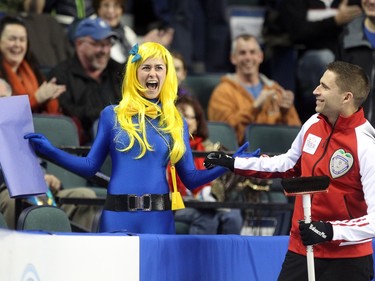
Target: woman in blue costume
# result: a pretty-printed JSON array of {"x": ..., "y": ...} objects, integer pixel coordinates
[{"x": 142, "y": 134}]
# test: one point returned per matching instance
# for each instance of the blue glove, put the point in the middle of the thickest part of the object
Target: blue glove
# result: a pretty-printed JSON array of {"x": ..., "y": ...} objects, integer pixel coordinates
[
  {"x": 241, "y": 149},
  {"x": 40, "y": 143},
  {"x": 241, "y": 152},
  {"x": 219, "y": 158},
  {"x": 82, "y": 166},
  {"x": 255, "y": 153}
]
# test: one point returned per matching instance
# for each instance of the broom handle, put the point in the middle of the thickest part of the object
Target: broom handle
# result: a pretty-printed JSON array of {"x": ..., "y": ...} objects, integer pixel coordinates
[{"x": 306, "y": 201}]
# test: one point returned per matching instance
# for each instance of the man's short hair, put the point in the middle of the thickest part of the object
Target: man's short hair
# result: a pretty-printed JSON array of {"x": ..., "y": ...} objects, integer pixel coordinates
[
  {"x": 351, "y": 78},
  {"x": 245, "y": 37}
]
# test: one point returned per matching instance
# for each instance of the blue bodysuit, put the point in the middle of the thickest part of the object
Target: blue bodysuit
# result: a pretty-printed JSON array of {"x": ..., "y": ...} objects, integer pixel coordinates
[{"x": 134, "y": 176}]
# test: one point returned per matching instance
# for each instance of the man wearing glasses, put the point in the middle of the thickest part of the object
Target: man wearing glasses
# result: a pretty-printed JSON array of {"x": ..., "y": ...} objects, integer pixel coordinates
[{"x": 92, "y": 78}]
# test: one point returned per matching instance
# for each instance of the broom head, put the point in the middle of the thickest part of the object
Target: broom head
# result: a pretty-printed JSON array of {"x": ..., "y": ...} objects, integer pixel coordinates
[{"x": 305, "y": 185}]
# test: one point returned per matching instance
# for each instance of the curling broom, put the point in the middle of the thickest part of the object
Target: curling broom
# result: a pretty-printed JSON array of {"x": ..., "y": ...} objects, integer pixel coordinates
[{"x": 306, "y": 186}]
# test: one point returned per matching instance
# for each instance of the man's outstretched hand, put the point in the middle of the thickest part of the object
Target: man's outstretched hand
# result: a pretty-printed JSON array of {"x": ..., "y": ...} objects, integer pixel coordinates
[{"x": 219, "y": 158}]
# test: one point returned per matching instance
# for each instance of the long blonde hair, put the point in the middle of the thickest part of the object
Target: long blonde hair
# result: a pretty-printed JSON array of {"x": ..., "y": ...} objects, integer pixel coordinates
[{"x": 170, "y": 119}]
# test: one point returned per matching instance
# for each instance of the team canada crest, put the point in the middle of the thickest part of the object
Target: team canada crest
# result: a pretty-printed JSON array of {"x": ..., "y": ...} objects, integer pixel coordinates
[{"x": 340, "y": 163}]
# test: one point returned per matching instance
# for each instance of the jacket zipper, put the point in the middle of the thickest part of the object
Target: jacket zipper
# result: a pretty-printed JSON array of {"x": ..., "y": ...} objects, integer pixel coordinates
[
  {"x": 347, "y": 209},
  {"x": 325, "y": 146}
]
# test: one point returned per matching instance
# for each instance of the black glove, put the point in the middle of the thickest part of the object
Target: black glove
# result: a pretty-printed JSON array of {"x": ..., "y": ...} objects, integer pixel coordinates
[
  {"x": 315, "y": 232},
  {"x": 219, "y": 159}
]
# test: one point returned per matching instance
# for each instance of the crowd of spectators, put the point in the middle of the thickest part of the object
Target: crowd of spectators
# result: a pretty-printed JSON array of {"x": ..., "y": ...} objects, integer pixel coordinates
[{"x": 69, "y": 57}]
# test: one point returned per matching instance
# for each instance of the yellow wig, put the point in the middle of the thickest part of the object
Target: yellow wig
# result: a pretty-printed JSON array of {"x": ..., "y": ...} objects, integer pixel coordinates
[{"x": 133, "y": 102}]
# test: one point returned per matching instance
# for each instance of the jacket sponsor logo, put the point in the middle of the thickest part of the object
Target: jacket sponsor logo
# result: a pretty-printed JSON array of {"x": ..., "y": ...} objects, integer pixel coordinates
[
  {"x": 311, "y": 144},
  {"x": 340, "y": 163}
]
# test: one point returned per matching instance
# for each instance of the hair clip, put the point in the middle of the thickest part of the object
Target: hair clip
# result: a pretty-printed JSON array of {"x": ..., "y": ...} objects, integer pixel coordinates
[{"x": 134, "y": 52}]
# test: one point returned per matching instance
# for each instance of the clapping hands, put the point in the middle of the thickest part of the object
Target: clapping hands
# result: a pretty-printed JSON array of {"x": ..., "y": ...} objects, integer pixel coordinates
[{"x": 49, "y": 90}]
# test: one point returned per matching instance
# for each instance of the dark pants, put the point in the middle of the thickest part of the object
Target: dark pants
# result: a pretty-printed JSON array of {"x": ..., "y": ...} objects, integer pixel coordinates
[{"x": 359, "y": 269}]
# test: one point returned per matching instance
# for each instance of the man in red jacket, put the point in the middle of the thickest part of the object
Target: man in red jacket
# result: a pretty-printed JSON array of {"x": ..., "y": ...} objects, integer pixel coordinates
[{"x": 337, "y": 142}]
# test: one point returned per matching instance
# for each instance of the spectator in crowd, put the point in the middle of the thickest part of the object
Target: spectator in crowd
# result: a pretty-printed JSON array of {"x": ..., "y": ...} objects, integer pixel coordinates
[
  {"x": 181, "y": 72},
  {"x": 48, "y": 40},
  {"x": 202, "y": 34},
  {"x": 357, "y": 46},
  {"x": 32, "y": 6},
  {"x": 67, "y": 11},
  {"x": 314, "y": 26},
  {"x": 8, "y": 7},
  {"x": 19, "y": 69},
  {"x": 148, "y": 13},
  {"x": 339, "y": 143},
  {"x": 198, "y": 25},
  {"x": 247, "y": 96},
  {"x": 112, "y": 12},
  {"x": 144, "y": 132},
  {"x": 92, "y": 78},
  {"x": 83, "y": 215},
  {"x": 221, "y": 221}
]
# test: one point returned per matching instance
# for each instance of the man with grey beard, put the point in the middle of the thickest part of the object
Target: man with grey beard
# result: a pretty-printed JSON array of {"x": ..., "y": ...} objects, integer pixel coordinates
[{"x": 92, "y": 78}]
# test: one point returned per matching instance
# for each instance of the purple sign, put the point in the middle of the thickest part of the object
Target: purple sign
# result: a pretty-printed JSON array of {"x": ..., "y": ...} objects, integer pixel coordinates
[{"x": 22, "y": 172}]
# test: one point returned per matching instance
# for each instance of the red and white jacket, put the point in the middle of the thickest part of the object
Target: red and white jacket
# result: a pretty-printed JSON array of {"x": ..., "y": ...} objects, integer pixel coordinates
[{"x": 345, "y": 153}]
